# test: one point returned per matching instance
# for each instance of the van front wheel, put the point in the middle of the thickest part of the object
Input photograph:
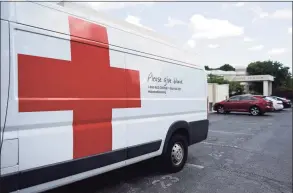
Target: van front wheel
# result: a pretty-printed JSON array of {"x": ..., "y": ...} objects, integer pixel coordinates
[{"x": 176, "y": 155}]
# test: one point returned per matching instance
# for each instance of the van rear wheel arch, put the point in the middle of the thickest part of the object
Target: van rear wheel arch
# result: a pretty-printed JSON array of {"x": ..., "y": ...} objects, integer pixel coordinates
[{"x": 177, "y": 128}]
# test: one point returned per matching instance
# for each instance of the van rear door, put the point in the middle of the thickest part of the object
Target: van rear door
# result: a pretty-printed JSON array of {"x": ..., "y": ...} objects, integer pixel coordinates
[
  {"x": 9, "y": 139},
  {"x": 4, "y": 70}
]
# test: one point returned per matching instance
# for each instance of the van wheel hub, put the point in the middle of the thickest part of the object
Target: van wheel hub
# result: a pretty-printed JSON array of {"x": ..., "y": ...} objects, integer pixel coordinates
[{"x": 177, "y": 154}]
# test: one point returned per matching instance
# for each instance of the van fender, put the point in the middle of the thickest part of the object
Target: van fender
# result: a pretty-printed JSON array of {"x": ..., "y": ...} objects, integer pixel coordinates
[{"x": 182, "y": 126}]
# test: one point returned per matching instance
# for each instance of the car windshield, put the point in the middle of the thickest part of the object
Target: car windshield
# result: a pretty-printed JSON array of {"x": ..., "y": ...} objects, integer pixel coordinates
[
  {"x": 266, "y": 98},
  {"x": 276, "y": 98},
  {"x": 269, "y": 98}
]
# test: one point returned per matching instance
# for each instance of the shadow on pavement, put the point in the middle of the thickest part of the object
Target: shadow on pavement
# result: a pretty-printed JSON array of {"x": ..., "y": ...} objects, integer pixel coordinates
[{"x": 129, "y": 174}]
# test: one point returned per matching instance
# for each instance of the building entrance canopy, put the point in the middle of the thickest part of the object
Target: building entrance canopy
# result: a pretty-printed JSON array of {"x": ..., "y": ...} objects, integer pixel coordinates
[{"x": 241, "y": 76}]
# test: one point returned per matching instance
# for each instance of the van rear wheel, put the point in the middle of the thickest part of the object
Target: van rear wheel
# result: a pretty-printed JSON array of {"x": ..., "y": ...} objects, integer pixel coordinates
[{"x": 176, "y": 155}]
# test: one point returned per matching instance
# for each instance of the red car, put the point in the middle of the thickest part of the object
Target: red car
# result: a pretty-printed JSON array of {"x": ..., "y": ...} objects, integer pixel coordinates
[{"x": 244, "y": 103}]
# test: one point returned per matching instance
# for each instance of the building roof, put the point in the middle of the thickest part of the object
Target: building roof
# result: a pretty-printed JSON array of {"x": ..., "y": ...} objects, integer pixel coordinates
[{"x": 240, "y": 68}]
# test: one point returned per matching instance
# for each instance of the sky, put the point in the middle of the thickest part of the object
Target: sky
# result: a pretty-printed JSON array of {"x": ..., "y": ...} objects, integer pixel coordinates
[{"x": 234, "y": 33}]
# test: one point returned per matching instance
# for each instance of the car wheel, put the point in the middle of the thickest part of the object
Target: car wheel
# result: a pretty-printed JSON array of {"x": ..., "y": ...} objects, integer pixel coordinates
[
  {"x": 220, "y": 109},
  {"x": 176, "y": 155},
  {"x": 255, "y": 111}
]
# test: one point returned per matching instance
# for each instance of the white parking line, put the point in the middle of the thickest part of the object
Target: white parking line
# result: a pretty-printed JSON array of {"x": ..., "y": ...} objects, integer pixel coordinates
[
  {"x": 227, "y": 132},
  {"x": 221, "y": 145},
  {"x": 195, "y": 166}
]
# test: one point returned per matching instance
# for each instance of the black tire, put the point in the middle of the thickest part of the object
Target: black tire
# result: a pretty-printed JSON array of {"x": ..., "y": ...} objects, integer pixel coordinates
[
  {"x": 255, "y": 111},
  {"x": 168, "y": 161},
  {"x": 220, "y": 109}
]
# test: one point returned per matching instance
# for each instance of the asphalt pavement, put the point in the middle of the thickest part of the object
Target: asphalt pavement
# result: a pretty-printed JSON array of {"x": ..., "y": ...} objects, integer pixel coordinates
[{"x": 243, "y": 153}]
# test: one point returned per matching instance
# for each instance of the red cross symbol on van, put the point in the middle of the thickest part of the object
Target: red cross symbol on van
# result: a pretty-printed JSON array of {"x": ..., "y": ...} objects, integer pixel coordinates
[{"x": 87, "y": 85}]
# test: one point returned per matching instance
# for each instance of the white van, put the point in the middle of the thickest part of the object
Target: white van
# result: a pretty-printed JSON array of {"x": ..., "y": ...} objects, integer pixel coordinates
[{"x": 82, "y": 95}]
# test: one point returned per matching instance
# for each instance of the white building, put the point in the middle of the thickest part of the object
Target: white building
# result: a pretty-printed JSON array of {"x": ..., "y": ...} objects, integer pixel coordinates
[{"x": 240, "y": 75}]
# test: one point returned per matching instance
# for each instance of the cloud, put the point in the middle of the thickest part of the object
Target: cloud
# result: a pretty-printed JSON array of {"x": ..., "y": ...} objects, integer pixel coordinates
[
  {"x": 227, "y": 5},
  {"x": 282, "y": 14},
  {"x": 260, "y": 14},
  {"x": 173, "y": 22},
  {"x": 256, "y": 48},
  {"x": 278, "y": 14},
  {"x": 213, "y": 45},
  {"x": 208, "y": 28},
  {"x": 277, "y": 51},
  {"x": 239, "y": 4},
  {"x": 290, "y": 30},
  {"x": 136, "y": 21},
  {"x": 191, "y": 43},
  {"x": 102, "y": 6},
  {"x": 248, "y": 39}
]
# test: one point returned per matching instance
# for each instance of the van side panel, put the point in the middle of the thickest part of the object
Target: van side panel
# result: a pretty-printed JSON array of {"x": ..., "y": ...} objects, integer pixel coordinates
[
  {"x": 45, "y": 137},
  {"x": 182, "y": 98},
  {"x": 46, "y": 132},
  {"x": 164, "y": 103},
  {"x": 146, "y": 96},
  {"x": 30, "y": 41},
  {"x": 169, "y": 93}
]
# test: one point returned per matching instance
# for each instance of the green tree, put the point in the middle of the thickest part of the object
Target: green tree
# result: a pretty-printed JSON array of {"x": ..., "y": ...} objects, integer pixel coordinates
[
  {"x": 278, "y": 70},
  {"x": 216, "y": 79},
  {"x": 226, "y": 67},
  {"x": 289, "y": 83},
  {"x": 235, "y": 88},
  {"x": 207, "y": 68}
]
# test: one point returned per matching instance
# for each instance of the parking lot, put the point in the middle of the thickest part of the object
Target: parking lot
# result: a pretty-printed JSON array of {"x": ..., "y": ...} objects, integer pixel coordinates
[{"x": 243, "y": 153}]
